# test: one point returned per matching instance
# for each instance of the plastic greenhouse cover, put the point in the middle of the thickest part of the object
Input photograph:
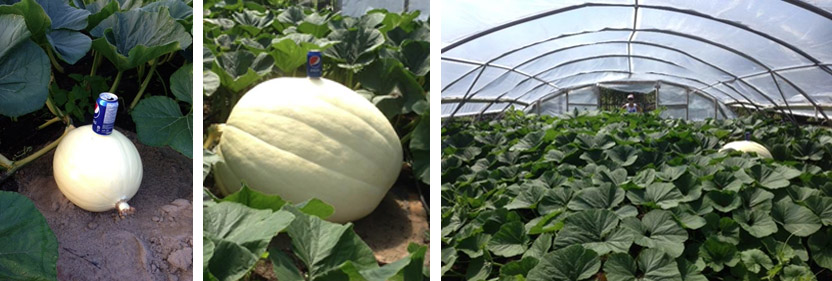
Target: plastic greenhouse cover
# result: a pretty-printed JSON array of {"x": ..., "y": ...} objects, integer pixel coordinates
[
  {"x": 631, "y": 87},
  {"x": 357, "y": 8},
  {"x": 749, "y": 52}
]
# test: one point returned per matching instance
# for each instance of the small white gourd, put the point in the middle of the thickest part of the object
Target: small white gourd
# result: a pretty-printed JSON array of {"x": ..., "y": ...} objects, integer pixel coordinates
[
  {"x": 303, "y": 138},
  {"x": 747, "y": 146},
  {"x": 97, "y": 172}
]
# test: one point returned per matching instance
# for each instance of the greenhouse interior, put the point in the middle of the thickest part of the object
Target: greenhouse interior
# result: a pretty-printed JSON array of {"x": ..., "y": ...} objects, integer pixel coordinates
[
  {"x": 694, "y": 59},
  {"x": 719, "y": 168}
]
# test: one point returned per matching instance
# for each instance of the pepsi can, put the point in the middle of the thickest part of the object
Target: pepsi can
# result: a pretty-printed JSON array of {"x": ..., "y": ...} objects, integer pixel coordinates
[
  {"x": 314, "y": 64},
  {"x": 104, "y": 118}
]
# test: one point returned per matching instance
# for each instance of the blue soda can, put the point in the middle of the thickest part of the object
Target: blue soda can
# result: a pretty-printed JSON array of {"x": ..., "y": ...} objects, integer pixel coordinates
[
  {"x": 314, "y": 64},
  {"x": 104, "y": 118}
]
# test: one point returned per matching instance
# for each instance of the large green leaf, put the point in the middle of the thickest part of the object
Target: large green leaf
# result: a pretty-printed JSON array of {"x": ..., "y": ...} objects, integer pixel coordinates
[
  {"x": 134, "y": 37},
  {"x": 820, "y": 246},
  {"x": 603, "y": 197},
  {"x": 31, "y": 249},
  {"x": 796, "y": 219},
  {"x": 623, "y": 155},
  {"x": 756, "y": 260},
  {"x": 657, "y": 229},
  {"x": 37, "y": 21},
  {"x": 324, "y": 246},
  {"x": 252, "y": 21},
  {"x": 355, "y": 47},
  {"x": 822, "y": 207},
  {"x": 657, "y": 194},
  {"x": 420, "y": 149},
  {"x": 718, "y": 254},
  {"x": 240, "y": 235},
  {"x": 651, "y": 265},
  {"x": 181, "y": 83},
  {"x": 756, "y": 222},
  {"x": 416, "y": 56},
  {"x": 723, "y": 200},
  {"x": 568, "y": 264},
  {"x": 255, "y": 200},
  {"x": 240, "y": 69},
  {"x": 160, "y": 122},
  {"x": 24, "y": 68},
  {"x": 596, "y": 230},
  {"x": 511, "y": 240},
  {"x": 773, "y": 178},
  {"x": 290, "y": 55},
  {"x": 64, "y": 36},
  {"x": 178, "y": 9}
]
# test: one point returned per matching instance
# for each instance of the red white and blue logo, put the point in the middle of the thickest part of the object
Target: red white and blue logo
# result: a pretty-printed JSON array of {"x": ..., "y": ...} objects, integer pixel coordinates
[{"x": 314, "y": 60}]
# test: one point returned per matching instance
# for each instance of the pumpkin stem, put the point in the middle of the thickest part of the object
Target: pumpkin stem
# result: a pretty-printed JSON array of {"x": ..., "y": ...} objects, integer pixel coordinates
[{"x": 124, "y": 209}]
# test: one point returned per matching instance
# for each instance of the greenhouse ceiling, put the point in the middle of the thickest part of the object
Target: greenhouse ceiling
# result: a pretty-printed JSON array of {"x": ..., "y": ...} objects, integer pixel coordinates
[{"x": 757, "y": 54}]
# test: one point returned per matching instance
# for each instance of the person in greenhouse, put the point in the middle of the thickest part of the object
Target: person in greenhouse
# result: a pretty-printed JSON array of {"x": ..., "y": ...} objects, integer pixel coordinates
[{"x": 631, "y": 106}]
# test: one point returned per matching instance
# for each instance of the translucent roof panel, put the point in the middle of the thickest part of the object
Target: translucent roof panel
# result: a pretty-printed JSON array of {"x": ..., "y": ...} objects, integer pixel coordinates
[
  {"x": 757, "y": 54},
  {"x": 782, "y": 20},
  {"x": 454, "y": 69},
  {"x": 644, "y": 87},
  {"x": 572, "y": 21},
  {"x": 672, "y": 95},
  {"x": 519, "y": 55}
]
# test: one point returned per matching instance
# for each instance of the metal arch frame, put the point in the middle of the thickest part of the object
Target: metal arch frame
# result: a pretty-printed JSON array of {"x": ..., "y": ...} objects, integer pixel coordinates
[
  {"x": 760, "y": 92},
  {"x": 630, "y": 58},
  {"x": 751, "y": 59},
  {"x": 636, "y": 6},
  {"x": 700, "y": 93},
  {"x": 664, "y": 8},
  {"x": 501, "y": 98},
  {"x": 692, "y": 37}
]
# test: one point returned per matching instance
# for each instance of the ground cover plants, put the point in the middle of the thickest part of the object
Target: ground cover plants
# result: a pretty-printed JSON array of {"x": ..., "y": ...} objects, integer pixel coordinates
[
  {"x": 381, "y": 55},
  {"x": 609, "y": 196},
  {"x": 56, "y": 56}
]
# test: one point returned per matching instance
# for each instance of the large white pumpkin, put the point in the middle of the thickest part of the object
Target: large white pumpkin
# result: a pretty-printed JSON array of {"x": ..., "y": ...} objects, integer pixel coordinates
[
  {"x": 748, "y": 146},
  {"x": 303, "y": 138},
  {"x": 97, "y": 173}
]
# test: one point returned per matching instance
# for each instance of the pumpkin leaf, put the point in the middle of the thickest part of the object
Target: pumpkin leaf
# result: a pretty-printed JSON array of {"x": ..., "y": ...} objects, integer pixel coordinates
[
  {"x": 24, "y": 67},
  {"x": 240, "y": 236},
  {"x": 570, "y": 263},
  {"x": 134, "y": 37},
  {"x": 34, "y": 253},
  {"x": 159, "y": 122}
]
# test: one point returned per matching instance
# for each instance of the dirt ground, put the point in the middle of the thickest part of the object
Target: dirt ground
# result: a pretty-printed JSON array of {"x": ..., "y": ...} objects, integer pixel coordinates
[{"x": 155, "y": 243}]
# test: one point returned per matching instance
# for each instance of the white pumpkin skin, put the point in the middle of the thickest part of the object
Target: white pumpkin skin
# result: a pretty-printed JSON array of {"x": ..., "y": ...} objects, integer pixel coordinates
[
  {"x": 303, "y": 138},
  {"x": 748, "y": 146},
  {"x": 97, "y": 172}
]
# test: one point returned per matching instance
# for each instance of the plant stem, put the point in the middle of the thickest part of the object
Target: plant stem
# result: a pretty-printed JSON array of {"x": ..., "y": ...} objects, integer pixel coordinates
[
  {"x": 5, "y": 162},
  {"x": 54, "y": 61},
  {"x": 115, "y": 82},
  {"x": 214, "y": 133},
  {"x": 52, "y": 108},
  {"x": 49, "y": 122},
  {"x": 349, "y": 79},
  {"x": 22, "y": 162},
  {"x": 144, "y": 86},
  {"x": 96, "y": 59}
]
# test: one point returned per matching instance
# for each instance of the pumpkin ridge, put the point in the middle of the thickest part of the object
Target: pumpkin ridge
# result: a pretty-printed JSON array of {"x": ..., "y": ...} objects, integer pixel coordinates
[
  {"x": 326, "y": 100},
  {"x": 297, "y": 156},
  {"x": 375, "y": 162}
]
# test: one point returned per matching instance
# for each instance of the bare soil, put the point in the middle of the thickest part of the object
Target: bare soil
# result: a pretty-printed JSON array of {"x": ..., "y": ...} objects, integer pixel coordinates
[{"x": 155, "y": 243}]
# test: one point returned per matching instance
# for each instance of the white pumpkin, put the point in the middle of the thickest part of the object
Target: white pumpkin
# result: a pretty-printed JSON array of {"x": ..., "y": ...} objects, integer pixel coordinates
[
  {"x": 747, "y": 146},
  {"x": 97, "y": 173},
  {"x": 303, "y": 138}
]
